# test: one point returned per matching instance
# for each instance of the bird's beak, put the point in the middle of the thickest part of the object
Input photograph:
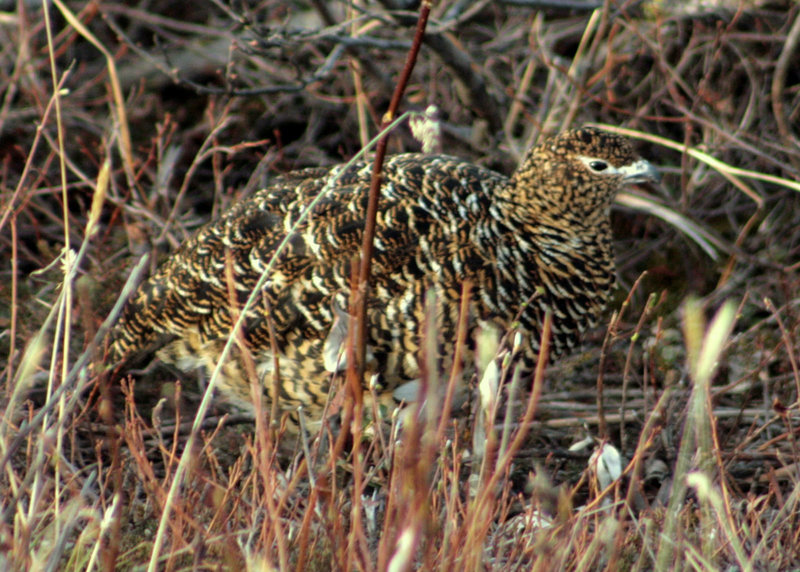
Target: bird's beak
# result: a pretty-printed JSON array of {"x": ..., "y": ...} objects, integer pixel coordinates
[{"x": 640, "y": 172}]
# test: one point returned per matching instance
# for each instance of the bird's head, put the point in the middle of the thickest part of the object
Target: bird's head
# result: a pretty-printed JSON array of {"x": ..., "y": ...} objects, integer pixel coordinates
[{"x": 579, "y": 173}]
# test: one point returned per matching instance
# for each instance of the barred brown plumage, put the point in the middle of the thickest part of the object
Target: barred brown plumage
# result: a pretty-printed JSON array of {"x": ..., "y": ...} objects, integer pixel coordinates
[{"x": 538, "y": 240}]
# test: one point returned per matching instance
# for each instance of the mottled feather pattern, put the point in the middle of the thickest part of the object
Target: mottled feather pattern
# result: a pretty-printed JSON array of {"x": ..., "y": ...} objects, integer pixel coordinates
[{"x": 538, "y": 240}]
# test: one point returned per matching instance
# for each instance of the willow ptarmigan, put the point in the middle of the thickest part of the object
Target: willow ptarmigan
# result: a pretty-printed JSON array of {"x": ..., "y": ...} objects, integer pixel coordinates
[{"x": 538, "y": 240}]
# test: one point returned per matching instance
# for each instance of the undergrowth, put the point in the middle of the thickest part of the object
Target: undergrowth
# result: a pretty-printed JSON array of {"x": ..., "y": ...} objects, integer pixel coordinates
[{"x": 668, "y": 441}]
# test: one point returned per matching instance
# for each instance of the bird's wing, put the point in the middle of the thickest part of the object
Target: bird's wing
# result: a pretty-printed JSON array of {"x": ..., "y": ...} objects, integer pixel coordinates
[{"x": 212, "y": 274}]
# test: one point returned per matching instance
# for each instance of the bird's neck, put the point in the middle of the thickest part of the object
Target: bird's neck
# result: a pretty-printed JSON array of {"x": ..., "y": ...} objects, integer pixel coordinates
[
  {"x": 539, "y": 244},
  {"x": 551, "y": 224},
  {"x": 544, "y": 263}
]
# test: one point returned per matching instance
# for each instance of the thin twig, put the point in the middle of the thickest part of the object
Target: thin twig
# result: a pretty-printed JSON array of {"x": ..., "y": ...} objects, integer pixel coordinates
[
  {"x": 374, "y": 192},
  {"x": 786, "y": 59}
]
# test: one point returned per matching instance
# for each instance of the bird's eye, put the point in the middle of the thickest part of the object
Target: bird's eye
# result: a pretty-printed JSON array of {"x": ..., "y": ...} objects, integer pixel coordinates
[{"x": 598, "y": 166}]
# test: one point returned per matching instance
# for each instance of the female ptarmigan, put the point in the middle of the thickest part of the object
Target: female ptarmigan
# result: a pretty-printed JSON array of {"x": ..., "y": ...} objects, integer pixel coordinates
[{"x": 538, "y": 240}]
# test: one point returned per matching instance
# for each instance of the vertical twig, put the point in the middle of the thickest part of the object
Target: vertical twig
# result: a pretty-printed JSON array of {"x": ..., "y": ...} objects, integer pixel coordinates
[
  {"x": 458, "y": 358},
  {"x": 779, "y": 83},
  {"x": 360, "y": 294},
  {"x": 374, "y": 191}
]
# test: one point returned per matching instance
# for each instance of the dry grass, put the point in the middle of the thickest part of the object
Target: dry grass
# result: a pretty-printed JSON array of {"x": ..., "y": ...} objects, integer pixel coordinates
[{"x": 125, "y": 126}]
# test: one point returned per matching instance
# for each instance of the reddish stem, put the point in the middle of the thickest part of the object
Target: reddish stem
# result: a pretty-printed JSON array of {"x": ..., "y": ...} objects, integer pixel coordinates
[{"x": 374, "y": 193}]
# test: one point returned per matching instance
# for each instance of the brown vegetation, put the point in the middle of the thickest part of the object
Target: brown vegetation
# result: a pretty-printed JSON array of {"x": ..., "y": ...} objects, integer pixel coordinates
[{"x": 124, "y": 126}]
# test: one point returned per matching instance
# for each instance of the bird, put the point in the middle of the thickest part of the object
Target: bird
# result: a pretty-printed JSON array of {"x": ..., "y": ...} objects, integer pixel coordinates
[{"x": 519, "y": 246}]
